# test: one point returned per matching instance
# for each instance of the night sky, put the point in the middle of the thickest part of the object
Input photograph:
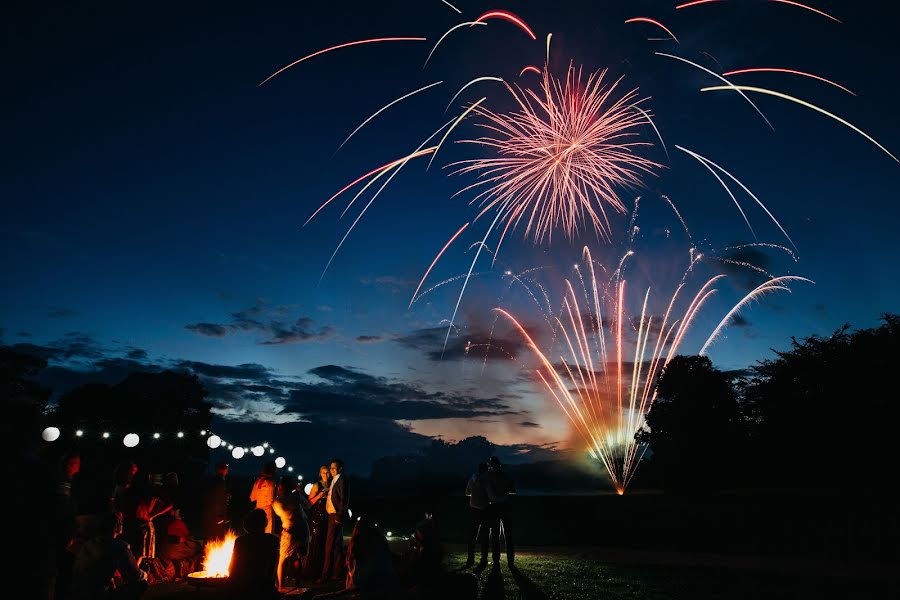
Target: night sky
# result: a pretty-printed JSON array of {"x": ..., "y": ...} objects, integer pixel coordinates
[{"x": 154, "y": 197}]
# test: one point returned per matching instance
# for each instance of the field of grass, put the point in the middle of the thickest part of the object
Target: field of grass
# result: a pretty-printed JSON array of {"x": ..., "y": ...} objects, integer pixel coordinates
[
  {"x": 542, "y": 576},
  {"x": 555, "y": 577}
]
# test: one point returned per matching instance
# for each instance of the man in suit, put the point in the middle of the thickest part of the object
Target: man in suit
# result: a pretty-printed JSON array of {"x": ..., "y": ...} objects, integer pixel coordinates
[{"x": 337, "y": 507}]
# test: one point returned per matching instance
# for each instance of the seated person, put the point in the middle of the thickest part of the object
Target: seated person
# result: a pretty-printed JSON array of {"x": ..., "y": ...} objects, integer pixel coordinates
[
  {"x": 424, "y": 573},
  {"x": 177, "y": 543},
  {"x": 254, "y": 560},
  {"x": 370, "y": 568},
  {"x": 105, "y": 567}
]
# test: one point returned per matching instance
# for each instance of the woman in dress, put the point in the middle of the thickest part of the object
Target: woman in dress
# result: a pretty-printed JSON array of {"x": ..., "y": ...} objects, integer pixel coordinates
[{"x": 318, "y": 524}]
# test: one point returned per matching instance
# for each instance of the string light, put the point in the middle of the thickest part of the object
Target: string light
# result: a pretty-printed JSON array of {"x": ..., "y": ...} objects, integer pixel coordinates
[{"x": 213, "y": 441}]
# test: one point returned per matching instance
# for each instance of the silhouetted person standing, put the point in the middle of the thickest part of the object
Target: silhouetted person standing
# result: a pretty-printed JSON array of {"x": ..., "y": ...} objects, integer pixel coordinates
[
  {"x": 479, "y": 523},
  {"x": 337, "y": 508},
  {"x": 215, "y": 504},
  {"x": 500, "y": 488}
]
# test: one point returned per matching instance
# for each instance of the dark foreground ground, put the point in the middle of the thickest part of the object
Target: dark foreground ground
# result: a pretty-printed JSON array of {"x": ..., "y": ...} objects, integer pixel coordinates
[{"x": 593, "y": 574}]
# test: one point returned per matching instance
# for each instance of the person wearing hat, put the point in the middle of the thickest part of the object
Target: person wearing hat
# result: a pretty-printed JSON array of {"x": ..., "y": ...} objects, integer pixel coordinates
[{"x": 215, "y": 504}]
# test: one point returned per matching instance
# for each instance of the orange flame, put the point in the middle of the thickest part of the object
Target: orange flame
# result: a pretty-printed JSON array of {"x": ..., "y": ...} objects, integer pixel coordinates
[{"x": 217, "y": 556}]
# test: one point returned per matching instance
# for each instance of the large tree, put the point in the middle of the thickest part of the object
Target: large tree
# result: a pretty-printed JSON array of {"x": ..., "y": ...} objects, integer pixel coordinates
[
  {"x": 823, "y": 412},
  {"x": 695, "y": 429}
]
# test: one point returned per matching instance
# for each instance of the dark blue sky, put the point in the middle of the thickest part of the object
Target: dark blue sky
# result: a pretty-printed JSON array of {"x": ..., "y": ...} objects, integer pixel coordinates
[{"x": 153, "y": 195}]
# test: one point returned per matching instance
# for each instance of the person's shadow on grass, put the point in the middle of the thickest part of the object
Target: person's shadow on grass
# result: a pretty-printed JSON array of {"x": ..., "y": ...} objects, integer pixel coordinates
[
  {"x": 493, "y": 586},
  {"x": 528, "y": 588}
]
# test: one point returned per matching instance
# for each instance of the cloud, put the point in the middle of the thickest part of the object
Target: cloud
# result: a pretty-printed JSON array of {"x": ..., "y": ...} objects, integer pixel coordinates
[
  {"x": 72, "y": 346},
  {"x": 251, "y": 371},
  {"x": 467, "y": 342},
  {"x": 137, "y": 354},
  {"x": 369, "y": 339},
  {"x": 739, "y": 321},
  {"x": 342, "y": 393},
  {"x": 274, "y": 324},
  {"x": 62, "y": 313},
  {"x": 529, "y": 424},
  {"x": 301, "y": 331},
  {"x": 208, "y": 329}
]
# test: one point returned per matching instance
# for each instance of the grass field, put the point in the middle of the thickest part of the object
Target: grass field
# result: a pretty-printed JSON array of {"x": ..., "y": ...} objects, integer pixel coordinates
[
  {"x": 556, "y": 577},
  {"x": 541, "y": 576}
]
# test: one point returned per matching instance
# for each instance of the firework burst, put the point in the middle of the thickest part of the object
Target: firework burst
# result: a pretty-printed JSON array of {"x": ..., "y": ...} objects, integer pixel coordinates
[
  {"x": 604, "y": 361},
  {"x": 560, "y": 159}
]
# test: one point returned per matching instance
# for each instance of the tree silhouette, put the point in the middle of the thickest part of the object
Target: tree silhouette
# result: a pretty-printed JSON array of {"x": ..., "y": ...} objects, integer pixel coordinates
[
  {"x": 695, "y": 429},
  {"x": 822, "y": 413}
]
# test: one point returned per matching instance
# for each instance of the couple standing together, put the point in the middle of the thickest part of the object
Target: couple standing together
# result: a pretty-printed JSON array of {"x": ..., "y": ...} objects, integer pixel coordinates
[
  {"x": 328, "y": 510},
  {"x": 490, "y": 509}
]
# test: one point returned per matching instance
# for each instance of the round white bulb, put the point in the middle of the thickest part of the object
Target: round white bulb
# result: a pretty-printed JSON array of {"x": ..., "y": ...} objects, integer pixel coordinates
[
  {"x": 181, "y": 434},
  {"x": 389, "y": 534},
  {"x": 290, "y": 469},
  {"x": 202, "y": 432},
  {"x": 238, "y": 452},
  {"x": 300, "y": 477},
  {"x": 50, "y": 434},
  {"x": 156, "y": 436},
  {"x": 131, "y": 440},
  {"x": 105, "y": 435},
  {"x": 280, "y": 462},
  {"x": 271, "y": 450},
  {"x": 258, "y": 450},
  {"x": 230, "y": 447},
  {"x": 307, "y": 489},
  {"x": 214, "y": 441},
  {"x": 265, "y": 444},
  {"x": 79, "y": 433}
]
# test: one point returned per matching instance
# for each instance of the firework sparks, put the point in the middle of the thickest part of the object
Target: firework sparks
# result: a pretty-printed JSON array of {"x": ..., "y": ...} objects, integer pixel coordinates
[
  {"x": 809, "y": 8},
  {"x": 476, "y": 80},
  {"x": 720, "y": 78},
  {"x": 789, "y": 71},
  {"x": 387, "y": 106},
  {"x": 560, "y": 156},
  {"x": 338, "y": 47},
  {"x": 696, "y": 3},
  {"x": 448, "y": 32},
  {"x": 653, "y": 22},
  {"x": 745, "y": 88},
  {"x": 772, "y": 285},
  {"x": 706, "y": 162},
  {"x": 529, "y": 68},
  {"x": 507, "y": 16}
]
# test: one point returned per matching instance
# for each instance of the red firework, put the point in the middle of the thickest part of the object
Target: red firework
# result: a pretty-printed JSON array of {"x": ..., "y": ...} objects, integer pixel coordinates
[{"x": 561, "y": 158}]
